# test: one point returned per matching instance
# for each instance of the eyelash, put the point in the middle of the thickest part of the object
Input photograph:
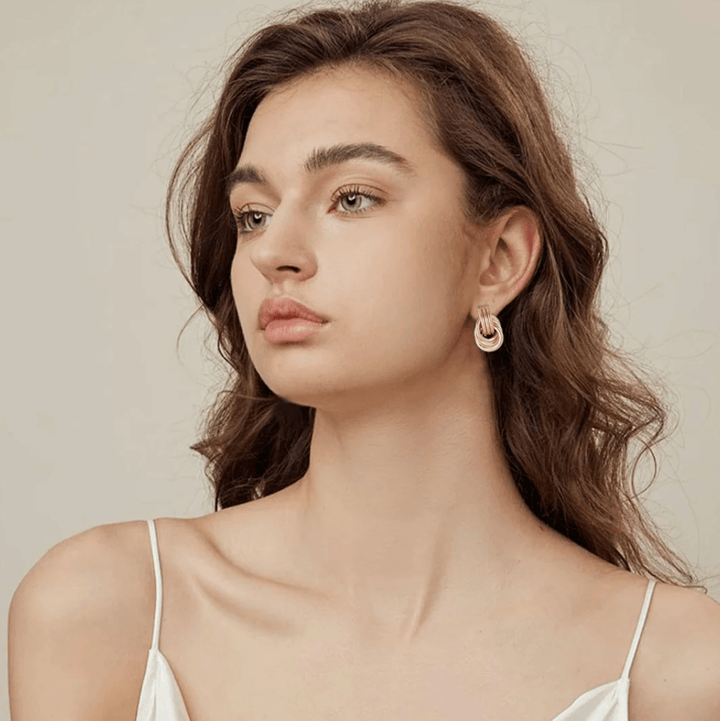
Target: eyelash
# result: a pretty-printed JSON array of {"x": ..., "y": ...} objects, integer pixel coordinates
[{"x": 342, "y": 193}]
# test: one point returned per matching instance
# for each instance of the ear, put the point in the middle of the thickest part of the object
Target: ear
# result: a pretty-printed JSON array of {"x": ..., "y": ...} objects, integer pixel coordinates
[{"x": 511, "y": 251}]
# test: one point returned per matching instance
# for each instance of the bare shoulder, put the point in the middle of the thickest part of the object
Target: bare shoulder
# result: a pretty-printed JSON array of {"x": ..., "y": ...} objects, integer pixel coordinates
[
  {"x": 678, "y": 673},
  {"x": 80, "y": 625},
  {"x": 92, "y": 572}
]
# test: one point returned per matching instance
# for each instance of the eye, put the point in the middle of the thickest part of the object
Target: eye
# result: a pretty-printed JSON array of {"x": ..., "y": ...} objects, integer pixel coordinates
[
  {"x": 351, "y": 194},
  {"x": 241, "y": 218}
]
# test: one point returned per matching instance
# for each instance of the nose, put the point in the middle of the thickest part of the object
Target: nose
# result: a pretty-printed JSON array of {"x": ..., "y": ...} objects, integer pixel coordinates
[{"x": 285, "y": 248}]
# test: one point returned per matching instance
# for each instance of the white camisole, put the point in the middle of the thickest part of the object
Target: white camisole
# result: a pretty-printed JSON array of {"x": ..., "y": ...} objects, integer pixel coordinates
[{"x": 161, "y": 699}]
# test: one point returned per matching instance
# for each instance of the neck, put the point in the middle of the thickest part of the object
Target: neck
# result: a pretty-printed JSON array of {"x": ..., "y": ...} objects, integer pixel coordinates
[{"x": 410, "y": 507}]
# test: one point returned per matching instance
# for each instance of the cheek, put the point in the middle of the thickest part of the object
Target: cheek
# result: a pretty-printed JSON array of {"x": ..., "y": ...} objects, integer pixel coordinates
[
  {"x": 403, "y": 308},
  {"x": 235, "y": 269},
  {"x": 247, "y": 294},
  {"x": 237, "y": 285},
  {"x": 407, "y": 274}
]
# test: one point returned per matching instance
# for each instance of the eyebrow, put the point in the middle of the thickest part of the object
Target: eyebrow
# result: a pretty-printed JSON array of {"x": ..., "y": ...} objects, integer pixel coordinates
[{"x": 322, "y": 158}]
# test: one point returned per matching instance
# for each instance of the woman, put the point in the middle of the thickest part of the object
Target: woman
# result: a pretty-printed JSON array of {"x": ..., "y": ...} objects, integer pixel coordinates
[{"x": 424, "y": 496}]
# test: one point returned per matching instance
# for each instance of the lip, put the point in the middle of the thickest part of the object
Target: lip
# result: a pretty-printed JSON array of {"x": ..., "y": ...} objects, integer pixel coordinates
[{"x": 274, "y": 308}]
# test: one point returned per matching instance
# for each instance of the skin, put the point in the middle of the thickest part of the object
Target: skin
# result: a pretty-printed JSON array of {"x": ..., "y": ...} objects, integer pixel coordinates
[{"x": 408, "y": 504}]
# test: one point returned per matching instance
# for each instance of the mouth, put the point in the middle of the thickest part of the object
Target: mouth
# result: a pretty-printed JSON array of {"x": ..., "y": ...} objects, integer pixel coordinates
[
  {"x": 284, "y": 319},
  {"x": 273, "y": 309},
  {"x": 293, "y": 329}
]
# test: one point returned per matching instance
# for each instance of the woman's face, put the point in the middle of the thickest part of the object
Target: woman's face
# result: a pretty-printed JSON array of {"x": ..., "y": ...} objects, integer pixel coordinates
[{"x": 396, "y": 277}]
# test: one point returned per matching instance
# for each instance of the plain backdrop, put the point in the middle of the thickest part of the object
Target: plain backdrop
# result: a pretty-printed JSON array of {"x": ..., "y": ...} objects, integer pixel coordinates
[{"x": 98, "y": 407}]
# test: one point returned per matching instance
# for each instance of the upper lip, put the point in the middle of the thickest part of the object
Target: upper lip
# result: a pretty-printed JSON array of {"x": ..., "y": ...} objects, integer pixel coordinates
[{"x": 273, "y": 308}]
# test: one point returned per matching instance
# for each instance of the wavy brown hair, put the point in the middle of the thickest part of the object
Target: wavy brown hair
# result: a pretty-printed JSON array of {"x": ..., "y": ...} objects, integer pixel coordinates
[{"x": 570, "y": 407}]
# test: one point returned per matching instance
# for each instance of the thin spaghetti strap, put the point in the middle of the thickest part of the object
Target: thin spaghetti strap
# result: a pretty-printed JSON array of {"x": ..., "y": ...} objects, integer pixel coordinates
[
  {"x": 639, "y": 628},
  {"x": 158, "y": 582}
]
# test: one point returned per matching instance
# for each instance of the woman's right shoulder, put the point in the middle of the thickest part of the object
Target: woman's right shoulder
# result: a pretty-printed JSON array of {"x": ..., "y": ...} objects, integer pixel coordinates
[
  {"x": 96, "y": 569},
  {"x": 80, "y": 626}
]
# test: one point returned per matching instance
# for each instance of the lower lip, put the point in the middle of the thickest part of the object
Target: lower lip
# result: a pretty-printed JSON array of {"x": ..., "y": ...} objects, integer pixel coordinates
[{"x": 285, "y": 330}]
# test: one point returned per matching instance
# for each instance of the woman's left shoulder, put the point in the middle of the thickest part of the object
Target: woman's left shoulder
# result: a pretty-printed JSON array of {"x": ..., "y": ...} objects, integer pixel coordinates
[{"x": 678, "y": 671}]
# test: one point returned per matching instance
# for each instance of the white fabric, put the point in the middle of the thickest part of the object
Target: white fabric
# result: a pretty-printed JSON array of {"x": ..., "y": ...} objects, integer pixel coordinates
[{"x": 161, "y": 699}]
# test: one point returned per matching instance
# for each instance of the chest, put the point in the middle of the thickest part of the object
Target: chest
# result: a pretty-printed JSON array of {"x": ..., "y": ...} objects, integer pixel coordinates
[
  {"x": 321, "y": 679},
  {"x": 252, "y": 647}
]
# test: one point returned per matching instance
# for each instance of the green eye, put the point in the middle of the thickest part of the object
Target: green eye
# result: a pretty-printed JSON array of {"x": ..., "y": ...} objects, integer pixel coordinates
[{"x": 241, "y": 217}]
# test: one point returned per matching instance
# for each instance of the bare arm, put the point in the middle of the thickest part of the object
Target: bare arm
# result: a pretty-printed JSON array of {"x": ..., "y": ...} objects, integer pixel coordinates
[{"x": 79, "y": 627}]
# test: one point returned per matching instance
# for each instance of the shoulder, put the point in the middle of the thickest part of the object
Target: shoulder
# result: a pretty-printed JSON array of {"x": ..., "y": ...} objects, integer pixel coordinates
[
  {"x": 86, "y": 573},
  {"x": 80, "y": 624},
  {"x": 678, "y": 662}
]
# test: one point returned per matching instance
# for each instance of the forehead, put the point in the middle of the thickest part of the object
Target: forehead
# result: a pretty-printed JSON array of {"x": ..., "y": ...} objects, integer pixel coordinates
[{"x": 337, "y": 105}]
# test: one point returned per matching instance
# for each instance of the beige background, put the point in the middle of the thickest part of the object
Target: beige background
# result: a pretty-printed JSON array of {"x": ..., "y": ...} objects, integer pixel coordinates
[{"x": 98, "y": 409}]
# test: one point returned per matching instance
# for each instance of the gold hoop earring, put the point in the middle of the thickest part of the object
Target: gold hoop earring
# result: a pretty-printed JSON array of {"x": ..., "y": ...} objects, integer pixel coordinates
[{"x": 488, "y": 331}]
